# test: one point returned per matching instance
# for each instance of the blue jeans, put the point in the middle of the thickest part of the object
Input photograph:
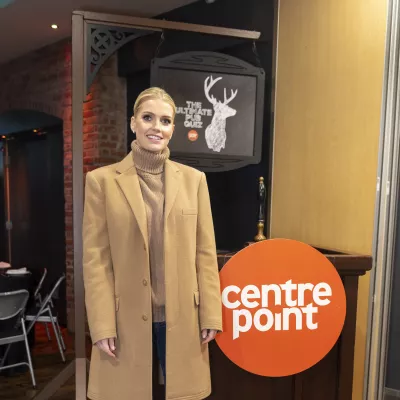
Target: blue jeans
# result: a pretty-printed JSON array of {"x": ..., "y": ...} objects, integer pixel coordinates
[{"x": 159, "y": 342}]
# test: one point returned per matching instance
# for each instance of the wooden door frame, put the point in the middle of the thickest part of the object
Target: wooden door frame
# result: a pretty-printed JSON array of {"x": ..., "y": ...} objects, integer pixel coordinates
[
  {"x": 81, "y": 77},
  {"x": 386, "y": 212}
]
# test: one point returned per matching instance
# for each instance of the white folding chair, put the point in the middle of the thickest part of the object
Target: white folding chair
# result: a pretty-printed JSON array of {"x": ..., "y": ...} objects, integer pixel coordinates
[
  {"x": 43, "y": 313},
  {"x": 12, "y": 308},
  {"x": 38, "y": 298}
]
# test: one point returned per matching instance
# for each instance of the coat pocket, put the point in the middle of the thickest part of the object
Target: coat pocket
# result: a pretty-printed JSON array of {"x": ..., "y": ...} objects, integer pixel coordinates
[
  {"x": 189, "y": 211},
  {"x": 196, "y": 297},
  {"x": 116, "y": 303}
]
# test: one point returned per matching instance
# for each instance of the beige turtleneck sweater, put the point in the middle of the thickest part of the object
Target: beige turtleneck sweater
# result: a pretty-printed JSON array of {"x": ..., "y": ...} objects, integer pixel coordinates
[{"x": 150, "y": 169}]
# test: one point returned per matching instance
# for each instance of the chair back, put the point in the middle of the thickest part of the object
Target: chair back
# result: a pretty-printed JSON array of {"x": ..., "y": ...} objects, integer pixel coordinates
[
  {"x": 46, "y": 302},
  {"x": 40, "y": 284},
  {"x": 54, "y": 292},
  {"x": 12, "y": 304}
]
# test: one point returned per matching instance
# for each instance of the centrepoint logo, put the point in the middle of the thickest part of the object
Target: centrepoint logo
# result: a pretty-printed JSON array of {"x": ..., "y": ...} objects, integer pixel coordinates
[
  {"x": 289, "y": 295},
  {"x": 284, "y": 307}
]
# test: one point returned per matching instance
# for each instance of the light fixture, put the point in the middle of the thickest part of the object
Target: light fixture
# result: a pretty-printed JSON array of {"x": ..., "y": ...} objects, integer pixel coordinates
[
  {"x": 35, "y": 130},
  {"x": 54, "y": 26}
]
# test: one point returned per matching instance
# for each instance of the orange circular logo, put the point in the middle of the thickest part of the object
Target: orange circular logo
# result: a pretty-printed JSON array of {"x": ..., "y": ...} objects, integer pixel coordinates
[
  {"x": 284, "y": 307},
  {"x": 193, "y": 135}
]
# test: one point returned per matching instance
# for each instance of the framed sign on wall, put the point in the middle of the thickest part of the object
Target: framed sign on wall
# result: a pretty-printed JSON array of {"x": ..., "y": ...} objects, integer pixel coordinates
[{"x": 220, "y": 102}]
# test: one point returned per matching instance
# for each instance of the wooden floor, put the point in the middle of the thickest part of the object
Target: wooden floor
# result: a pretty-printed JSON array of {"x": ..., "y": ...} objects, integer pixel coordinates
[{"x": 47, "y": 364}]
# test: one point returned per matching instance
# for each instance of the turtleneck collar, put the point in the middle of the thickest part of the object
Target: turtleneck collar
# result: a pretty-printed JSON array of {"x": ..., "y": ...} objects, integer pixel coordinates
[{"x": 149, "y": 161}]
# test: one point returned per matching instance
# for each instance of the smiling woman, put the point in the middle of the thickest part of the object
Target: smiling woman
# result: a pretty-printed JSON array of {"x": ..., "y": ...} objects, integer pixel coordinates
[
  {"x": 153, "y": 119},
  {"x": 140, "y": 291}
]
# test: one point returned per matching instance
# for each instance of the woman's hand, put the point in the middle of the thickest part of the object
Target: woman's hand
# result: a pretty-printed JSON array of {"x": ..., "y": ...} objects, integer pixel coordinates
[
  {"x": 208, "y": 335},
  {"x": 107, "y": 345}
]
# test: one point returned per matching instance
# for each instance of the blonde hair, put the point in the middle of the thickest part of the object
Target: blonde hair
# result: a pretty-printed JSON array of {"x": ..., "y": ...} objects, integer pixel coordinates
[{"x": 153, "y": 93}]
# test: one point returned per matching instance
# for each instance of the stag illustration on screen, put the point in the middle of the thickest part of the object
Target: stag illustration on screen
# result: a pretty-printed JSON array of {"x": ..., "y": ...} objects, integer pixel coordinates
[{"x": 215, "y": 132}]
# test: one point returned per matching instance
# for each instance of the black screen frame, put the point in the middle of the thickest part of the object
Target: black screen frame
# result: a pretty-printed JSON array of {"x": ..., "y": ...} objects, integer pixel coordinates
[{"x": 212, "y": 62}]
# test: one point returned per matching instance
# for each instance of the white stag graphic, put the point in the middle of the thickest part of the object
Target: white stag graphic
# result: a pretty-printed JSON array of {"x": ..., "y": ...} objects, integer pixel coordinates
[{"x": 215, "y": 132}]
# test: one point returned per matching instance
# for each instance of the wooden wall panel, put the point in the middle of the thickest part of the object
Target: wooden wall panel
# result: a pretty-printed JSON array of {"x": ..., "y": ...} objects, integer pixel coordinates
[{"x": 329, "y": 80}]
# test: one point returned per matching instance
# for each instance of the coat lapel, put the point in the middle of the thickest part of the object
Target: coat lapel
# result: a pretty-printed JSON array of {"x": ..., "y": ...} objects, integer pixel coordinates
[
  {"x": 173, "y": 178},
  {"x": 172, "y": 183},
  {"x": 129, "y": 183}
]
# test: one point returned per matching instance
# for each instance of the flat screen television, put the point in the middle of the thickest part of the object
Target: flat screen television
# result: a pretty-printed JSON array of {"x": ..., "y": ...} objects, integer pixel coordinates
[{"x": 220, "y": 101}]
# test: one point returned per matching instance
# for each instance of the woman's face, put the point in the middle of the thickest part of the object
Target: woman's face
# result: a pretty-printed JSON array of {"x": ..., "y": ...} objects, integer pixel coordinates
[{"x": 154, "y": 125}]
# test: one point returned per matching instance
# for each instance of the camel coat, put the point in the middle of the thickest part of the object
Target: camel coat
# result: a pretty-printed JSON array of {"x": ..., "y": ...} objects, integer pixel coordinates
[{"x": 118, "y": 290}]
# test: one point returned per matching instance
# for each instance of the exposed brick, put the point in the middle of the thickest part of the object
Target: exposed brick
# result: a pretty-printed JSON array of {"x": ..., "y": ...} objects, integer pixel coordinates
[
  {"x": 88, "y": 129},
  {"x": 92, "y": 136},
  {"x": 94, "y": 119},
  {"x": 44, "y": 77},
  {"x": 88, "y": 114}
]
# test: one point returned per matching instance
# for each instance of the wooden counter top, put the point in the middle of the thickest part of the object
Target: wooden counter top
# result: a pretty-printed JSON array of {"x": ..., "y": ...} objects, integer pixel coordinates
[{"x": 346, "y": 264}]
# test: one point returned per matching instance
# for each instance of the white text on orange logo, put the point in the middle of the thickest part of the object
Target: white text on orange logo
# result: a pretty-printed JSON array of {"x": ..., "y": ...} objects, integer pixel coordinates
[{"x": 292, "y": 299}]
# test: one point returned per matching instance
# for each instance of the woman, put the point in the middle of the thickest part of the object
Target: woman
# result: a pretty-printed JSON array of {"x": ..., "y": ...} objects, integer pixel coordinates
[{"x": 150, "y": 266}]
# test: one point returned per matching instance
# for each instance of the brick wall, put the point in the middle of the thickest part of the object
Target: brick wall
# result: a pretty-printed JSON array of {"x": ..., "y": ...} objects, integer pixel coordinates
[{"x": 42, "y": 81}]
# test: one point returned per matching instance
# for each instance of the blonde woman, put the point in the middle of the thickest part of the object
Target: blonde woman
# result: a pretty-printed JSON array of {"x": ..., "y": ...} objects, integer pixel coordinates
[{"x": 150, "y": 266}]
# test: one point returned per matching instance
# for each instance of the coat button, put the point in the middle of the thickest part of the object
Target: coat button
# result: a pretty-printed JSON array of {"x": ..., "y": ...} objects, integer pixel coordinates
[
  {"x": 144, "y": 317},
  {"x": 145, "y": 282}
]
